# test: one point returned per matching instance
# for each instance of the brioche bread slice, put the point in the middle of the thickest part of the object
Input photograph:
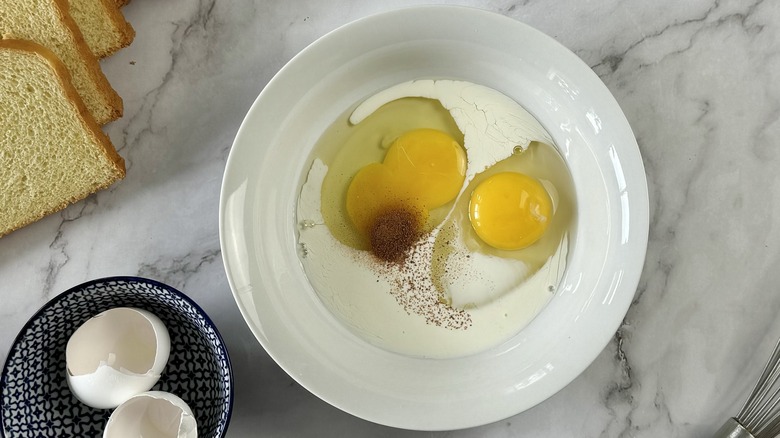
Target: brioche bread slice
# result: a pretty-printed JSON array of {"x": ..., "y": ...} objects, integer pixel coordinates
[
  {"x": 48, "y": 23},
  {"x": 52, "y": 152},
  {"x": 102, "y": 24}
]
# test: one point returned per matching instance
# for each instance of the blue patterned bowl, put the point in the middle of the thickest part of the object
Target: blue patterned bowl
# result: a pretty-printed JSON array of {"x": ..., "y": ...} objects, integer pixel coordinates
[{"x": 36, "y": 401}]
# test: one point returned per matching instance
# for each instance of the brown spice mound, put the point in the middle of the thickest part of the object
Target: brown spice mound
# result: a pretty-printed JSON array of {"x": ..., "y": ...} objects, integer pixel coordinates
[{"x": 394, "y": 233}]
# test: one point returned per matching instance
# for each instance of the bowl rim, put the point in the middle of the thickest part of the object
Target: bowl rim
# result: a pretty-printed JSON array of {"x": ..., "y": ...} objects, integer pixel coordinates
[
  {"x": 640, "y": 229},
  {"x": 121, "y": 279}
]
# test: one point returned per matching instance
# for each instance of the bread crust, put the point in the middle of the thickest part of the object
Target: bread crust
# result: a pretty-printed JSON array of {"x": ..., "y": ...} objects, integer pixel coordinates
[
  {"x": 113, "y": 99},
  {"x": 63, "y": 76},
  {"x": 122, "y": 26},
  {"x": 126, "y": 29}
]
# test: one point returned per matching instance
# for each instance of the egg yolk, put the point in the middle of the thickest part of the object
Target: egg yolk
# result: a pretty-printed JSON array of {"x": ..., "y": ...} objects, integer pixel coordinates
[
  {"x": 423, "y": 169},
  {"x": 510, "y": 210}
]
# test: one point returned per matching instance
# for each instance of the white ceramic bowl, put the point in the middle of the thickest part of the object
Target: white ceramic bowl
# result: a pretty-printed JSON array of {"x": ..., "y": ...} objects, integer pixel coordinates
[{"x": 270, "y": 158}]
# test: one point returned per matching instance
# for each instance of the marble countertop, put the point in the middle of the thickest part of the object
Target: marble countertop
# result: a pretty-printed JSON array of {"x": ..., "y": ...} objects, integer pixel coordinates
[{"x": 698, "y": 80}]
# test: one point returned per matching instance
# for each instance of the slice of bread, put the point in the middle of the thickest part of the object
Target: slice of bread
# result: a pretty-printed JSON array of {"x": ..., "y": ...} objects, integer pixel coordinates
[
  {"x": 102, "y": 24},
  {"x": 52, "y": 152},
  {"x": 121, "y": 3},
  {"x": 48, "y": 23}
]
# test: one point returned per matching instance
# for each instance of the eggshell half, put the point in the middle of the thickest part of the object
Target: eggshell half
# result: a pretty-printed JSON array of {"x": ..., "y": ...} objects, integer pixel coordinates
[
  {"x": 116, "y": 355},
  {"x": 153, "y": 414}
]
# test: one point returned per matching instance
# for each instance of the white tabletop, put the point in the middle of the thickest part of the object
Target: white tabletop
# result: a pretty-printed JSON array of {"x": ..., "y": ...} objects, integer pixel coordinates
[{"x": 698, "y": 80}]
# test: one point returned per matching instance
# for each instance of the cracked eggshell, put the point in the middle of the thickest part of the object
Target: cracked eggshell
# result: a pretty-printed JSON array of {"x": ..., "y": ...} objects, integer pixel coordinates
[
  {"x": 152, "y": 414},
  {"x": 115, "y": 355}
]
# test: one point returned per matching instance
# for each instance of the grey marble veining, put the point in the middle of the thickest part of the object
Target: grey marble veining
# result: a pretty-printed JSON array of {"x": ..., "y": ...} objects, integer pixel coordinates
[{"x": 699, "y": 82}]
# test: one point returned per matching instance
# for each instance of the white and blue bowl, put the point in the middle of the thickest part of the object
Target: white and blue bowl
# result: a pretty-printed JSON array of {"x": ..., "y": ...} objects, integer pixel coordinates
[{"x": 35, "y": 400}]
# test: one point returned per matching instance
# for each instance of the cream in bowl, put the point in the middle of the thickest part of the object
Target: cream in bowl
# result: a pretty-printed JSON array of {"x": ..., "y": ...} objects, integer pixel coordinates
[{"x": 434, "y": 219}]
